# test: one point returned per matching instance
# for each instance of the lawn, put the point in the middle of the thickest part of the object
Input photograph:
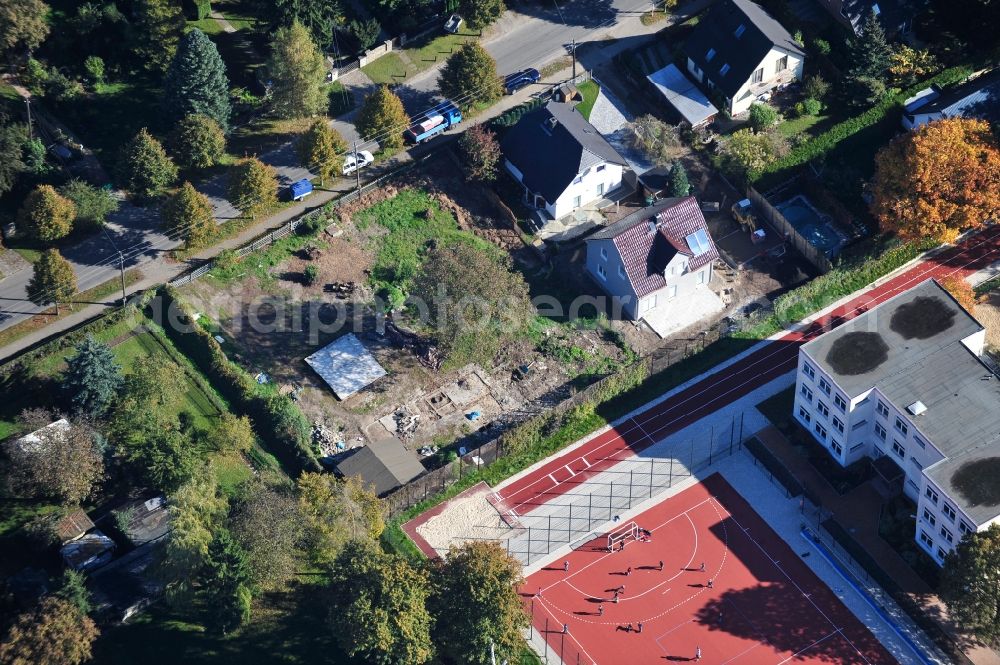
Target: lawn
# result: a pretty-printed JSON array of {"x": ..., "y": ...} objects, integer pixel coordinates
[
  {"x": 811, "y": 125},
  {"x": 395, "y": 67},
  {"x": 208, "y": 25},
  {"x": 390, "y": 68},
  {"x": 589, "y": 90},
  {"x": 7, "y": 93}
]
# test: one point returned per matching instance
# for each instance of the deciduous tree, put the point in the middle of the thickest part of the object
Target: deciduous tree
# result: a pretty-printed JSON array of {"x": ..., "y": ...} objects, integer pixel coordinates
[
  {"x": 225, "y": 584},
  {"x": 160, "y": 24},
  {"x": 55, "y": 632},
  {"x": 938, "y": 179},
  {"x": 60, "y": 463},
  {"x": 335, "y": 511},
  {"x": 321, "y": 149},
  {"x": 13, "y": 137},
  {"x": 745, "y": 153},
  {"x": 297, "y": 73},
  {"x": 196, "y": 82},
  {"x": 92, "y": 378},
  {"x": 197, "y": 509},
  {"x": 908, "y": 65},
  {"x": 233, "y": 434},
  {"x": 382, "y": 118},
  {"x": 188, "y": 214},
  {"x": 970, "y": 584},
  {"x": 23, "y": 24},
  {"x": 486, "y": 302},
  {"x": 961, "y": 291},
  {"x": 482, "y": 153},
  {"x": 53, "y": 282},
  {"x": 197, "y": 142},
  {"x": 253, "y": 187},
  {"x": 470, "y": 76},
  {"x": 46, "y": 215},
  {"x": 475, "y": 604},
  {"x": 144, "y": 168},
  {"x": 480, "y": 14},
  {"x": 268, "y": 524},
  {"x": 654, "y": 137},
  {"x": 93, "y": 204},
  {"x": 320, "y": 17},
  {"x": 379, "y": 606}
]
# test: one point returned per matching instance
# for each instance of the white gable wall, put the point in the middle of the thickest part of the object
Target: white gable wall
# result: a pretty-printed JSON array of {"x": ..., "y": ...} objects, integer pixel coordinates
[
  {"x": 772, "y": 77},
  {"x": 591, "y": 186},
  {"x": 604, "y": 264}
]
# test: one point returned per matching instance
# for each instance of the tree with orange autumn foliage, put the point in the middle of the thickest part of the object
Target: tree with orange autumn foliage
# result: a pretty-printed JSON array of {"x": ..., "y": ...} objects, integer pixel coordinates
[
  {"x": 961, "y": 291},
  {"x": 938, "y": 180}
]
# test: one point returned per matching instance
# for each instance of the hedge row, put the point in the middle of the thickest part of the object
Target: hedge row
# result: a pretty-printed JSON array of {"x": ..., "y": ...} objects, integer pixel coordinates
[
  {"x": 828, "y": 140},
  {"x": 511, "y": 117},
  {"x": 278, "y": 422},
  {"x": 813, "y": 296},
  {"x": 888, "y": 584}
]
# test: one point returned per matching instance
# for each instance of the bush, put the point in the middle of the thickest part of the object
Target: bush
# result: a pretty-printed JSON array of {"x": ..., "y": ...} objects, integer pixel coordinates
[
  {"x": 276, "y": 418},
  {"x": 762, "y": 116},
  {"x": 815, "y": 87},
  {"x": 811, "y": 106},
  {"x": 821, "y": 46},
  {"x": 94, "y": 66},
  {"x": 309, "y": 275}
]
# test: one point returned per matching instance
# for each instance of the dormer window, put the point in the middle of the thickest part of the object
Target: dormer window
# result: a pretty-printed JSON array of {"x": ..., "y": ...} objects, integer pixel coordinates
[
  {"x": 739, "y": 31},
  {"x": 724, "y": 69},
  {"x": 710, "y": 55}
]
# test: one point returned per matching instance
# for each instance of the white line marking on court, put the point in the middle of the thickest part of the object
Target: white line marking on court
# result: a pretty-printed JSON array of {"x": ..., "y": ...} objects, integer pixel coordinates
[
  {"x": 822, "y": 639},
  {"x": 571, "y": 471}
]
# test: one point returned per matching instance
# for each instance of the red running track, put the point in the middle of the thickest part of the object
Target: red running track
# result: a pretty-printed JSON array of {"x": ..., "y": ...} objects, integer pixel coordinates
[
  {"x": 718, "y": 390},
  {"x": 765, "y": 605}
]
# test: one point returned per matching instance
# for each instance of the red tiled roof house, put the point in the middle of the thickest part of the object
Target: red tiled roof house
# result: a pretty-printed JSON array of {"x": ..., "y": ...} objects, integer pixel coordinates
[{"x": 653, "y": 256}]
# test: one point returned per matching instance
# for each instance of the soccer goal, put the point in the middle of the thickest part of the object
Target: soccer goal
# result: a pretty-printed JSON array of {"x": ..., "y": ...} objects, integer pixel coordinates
[{"x": 621, "y": 533}]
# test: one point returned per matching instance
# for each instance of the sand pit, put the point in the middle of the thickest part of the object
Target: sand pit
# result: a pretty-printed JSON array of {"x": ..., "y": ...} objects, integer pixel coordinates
[{"x": 465, "y": 518}]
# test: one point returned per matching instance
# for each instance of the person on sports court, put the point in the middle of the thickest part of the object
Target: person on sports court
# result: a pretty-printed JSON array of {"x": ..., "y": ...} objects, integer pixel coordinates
[
  {"x": 711, "y": 583},
  {"x": 620, "y": 589},
  {"x": 702, "y": 567},
  {"x": 639, "y": 627},
  {"x": 697, "y": 653},
  {"x": 600, "y": 610},
  {"x": 628, "y": 572},
  {"x": 565, "y": 566},
  {"x": 661, "y": 565}
]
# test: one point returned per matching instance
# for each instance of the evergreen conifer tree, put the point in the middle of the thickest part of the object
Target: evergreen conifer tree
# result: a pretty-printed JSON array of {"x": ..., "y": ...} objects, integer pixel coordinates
[
  {"x": 92, "y": 377},
  {"x": 196, "y": 81}
]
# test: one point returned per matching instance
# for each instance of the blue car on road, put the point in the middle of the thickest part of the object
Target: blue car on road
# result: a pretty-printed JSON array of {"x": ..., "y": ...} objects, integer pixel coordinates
[{"x": 514, "y": 82}]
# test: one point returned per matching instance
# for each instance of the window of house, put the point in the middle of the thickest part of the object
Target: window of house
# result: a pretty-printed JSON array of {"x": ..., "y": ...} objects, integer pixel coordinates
[
  {"x": 965, "y": 527},
  {"x": 931, "y": 495},
  {"x": 600, "y": 189},
  {"x": 710, "y": 55},
  {"x": 601, "y": 168},
  {"x": 878, "y": 453},
  {"x": 673, "y": 290},
  {"x": 602, "y": 273},
  {"x": 919, "y": 441},
  {"x": 915, "y": 462},
  {"x": 898, "y": 449},
  {"x": 621, "y": 271},
  {"x": 806, "y": 392},
  {"x": 808, "y": 370},
  {"x": 929, "y": 517},
  {"x": 947, "y": 535},
  {"x": 880, "y": 431},
  {"x": 882, "y": 409},
  {"x": 577, "y": 180},
  {"x": 840, "y": 402},
  {"x": 823, "y": 409},
  {"x": 838, "y": 425},
  {"x": 824, "y": 385},
  {"x": 857, "y": 446},
  {"x": 739, "y": 31},
  {"x": 948, "y": 512},
  {"x": 804, "y": 415},
  {"x": 577, "y": 201},
  {"x": 926, "y": 540},
  {"x": 781, "y": 65},
  {"x": 758, "y": 75},
  {"x": 724, "y": 69},
  {"x": 820, "y": 431},
  {"x": 857, "y": 426},
  {"x": 901, "y": 426},
  {"x": 604, "y": 253},
  {"x": 701, "y": 276},
  {"x": 941, "y": 554},
  {"x": 836, "y": 447}
]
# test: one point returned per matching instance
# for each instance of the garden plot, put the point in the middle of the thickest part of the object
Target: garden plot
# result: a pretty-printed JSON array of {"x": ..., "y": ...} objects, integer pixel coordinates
[{"x": 271, "y": 319}]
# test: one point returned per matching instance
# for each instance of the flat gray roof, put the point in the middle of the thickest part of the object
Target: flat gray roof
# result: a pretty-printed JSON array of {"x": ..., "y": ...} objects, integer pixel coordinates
[
  {"x": 683, "y": 95},
  {"x": 902, "y": 353},
  {"x": 385, "y": 464},
  {"x": 944, "y": 472},
  {"x": 346, "y": 365}
]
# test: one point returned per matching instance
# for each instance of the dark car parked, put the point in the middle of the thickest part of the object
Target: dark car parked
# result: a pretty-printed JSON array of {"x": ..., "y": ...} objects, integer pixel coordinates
[{"x": 514, "y": 82}]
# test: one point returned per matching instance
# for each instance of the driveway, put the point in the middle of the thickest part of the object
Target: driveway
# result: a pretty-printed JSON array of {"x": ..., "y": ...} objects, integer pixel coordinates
[{"x": 611, "y": 118}]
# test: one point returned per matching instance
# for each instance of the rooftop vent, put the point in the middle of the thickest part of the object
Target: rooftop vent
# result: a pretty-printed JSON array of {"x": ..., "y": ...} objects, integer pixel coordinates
[
  {"x": 916, "y": 408},
  {"x": 652, "y": 225}
]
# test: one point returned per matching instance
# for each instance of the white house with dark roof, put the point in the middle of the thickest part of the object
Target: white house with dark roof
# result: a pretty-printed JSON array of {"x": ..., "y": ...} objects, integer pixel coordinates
[
  {"x": 904, "y": 382},
  {"x": 562, "y": 162},
  {"x": 654, "y": 258},
  {"x": 976, "y": 97},
  {"x": 743, "y": 52}
]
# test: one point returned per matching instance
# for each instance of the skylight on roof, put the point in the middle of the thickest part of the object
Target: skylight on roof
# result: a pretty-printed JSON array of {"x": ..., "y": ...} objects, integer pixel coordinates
[
  {"x": 698, "y": 242},
  {"x": 710, "y": 55},
  {"x": 739, "y": 31},
  {"x": 724, "y": 69}
]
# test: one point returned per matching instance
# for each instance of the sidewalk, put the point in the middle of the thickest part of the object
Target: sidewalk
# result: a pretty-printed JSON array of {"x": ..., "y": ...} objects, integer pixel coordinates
[{"x": 161, "y": 270}]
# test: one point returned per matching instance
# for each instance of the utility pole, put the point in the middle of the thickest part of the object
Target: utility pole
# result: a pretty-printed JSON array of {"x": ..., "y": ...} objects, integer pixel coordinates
[
  {"x": 27, "y": 103},
  {"x": 121, "y": 267},
  {"x": 574, "y": 59}
]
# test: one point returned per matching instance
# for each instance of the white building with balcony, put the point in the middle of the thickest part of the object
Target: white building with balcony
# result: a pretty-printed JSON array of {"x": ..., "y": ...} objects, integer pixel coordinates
[{"x": 904, "y": 381}]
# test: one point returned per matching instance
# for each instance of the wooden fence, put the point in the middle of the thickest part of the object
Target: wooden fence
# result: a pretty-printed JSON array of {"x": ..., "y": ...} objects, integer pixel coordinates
[{"x": 789, "y": 232}]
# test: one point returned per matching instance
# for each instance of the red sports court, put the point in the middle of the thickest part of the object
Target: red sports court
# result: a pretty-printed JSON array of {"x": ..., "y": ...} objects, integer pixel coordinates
[{"x": 763, "y": 604}]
